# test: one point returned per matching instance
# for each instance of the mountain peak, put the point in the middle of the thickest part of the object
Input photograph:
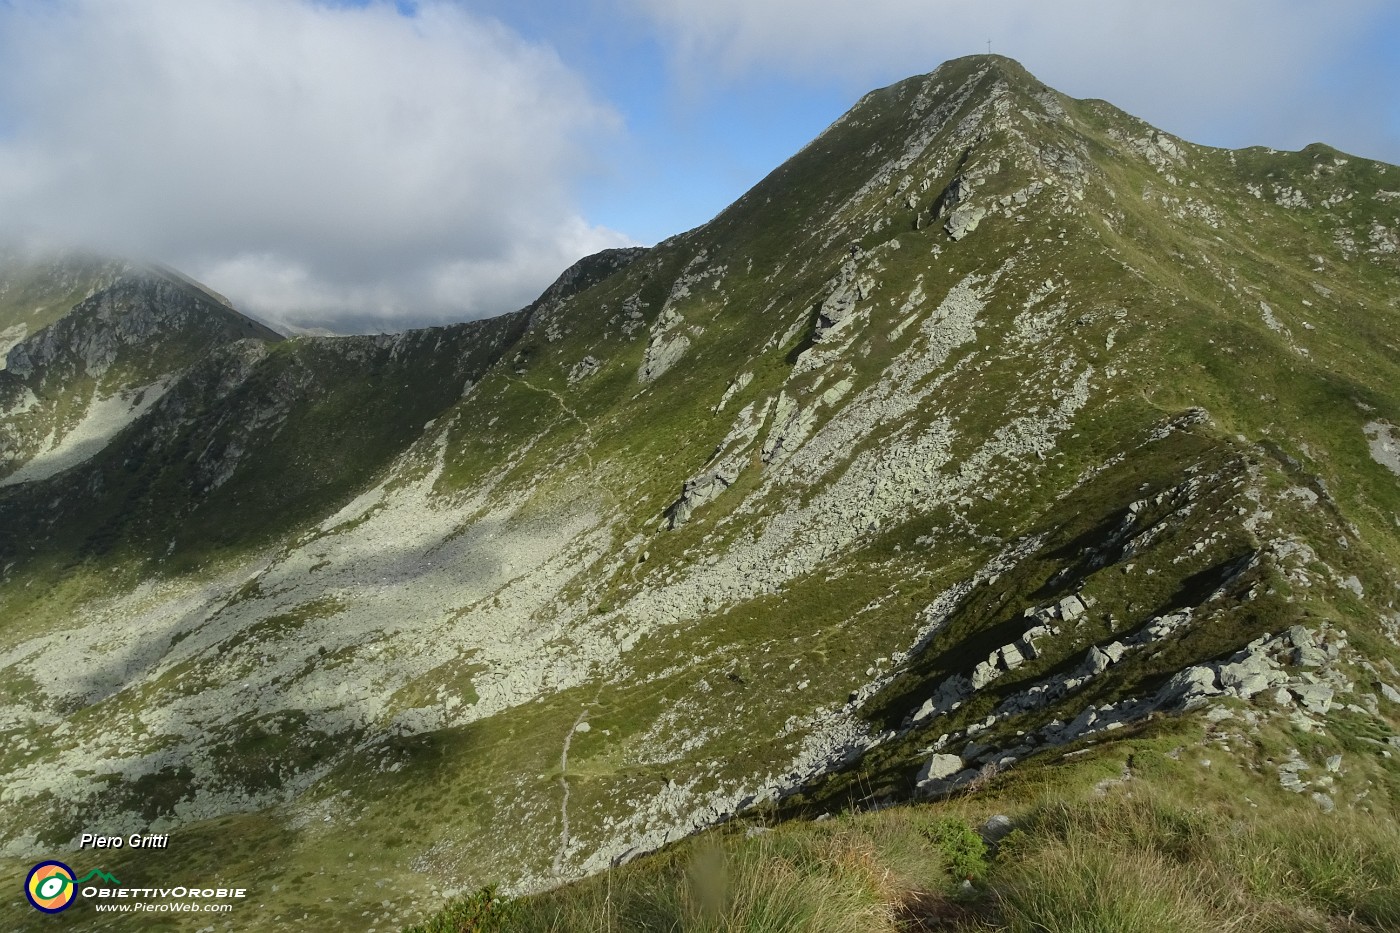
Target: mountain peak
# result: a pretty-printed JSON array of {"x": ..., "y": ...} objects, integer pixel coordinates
[{"x": 1004, "y": 67}]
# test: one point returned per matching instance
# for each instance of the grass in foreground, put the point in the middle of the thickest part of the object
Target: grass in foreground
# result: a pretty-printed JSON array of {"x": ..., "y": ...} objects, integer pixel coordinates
[{"x": 1141, "y": 858}]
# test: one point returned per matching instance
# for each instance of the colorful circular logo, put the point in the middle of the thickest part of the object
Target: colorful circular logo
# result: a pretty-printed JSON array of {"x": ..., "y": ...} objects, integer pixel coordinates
[{"x": 50, "y": 887}]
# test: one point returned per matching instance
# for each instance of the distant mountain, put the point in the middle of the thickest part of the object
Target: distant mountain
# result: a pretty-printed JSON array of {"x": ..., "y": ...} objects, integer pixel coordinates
[
  {"x": 37, "y": 288},
  {"x": 69, "y": 386},
  {"x": 992, "y": 425}
]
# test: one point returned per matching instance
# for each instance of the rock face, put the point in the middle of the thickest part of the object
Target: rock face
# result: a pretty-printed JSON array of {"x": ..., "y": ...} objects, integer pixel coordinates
[
  {"x": 848, "y": 289},
  {"x": 663, "y": 352},
  {"x": 697, "y": 492},
  {"x": 1192, "y": 685},
  {"x": 1249, "y": 676},
  {"x": 666, "y": 347},
  {"x": 941, "y": 484},
  {"x": 583, "y": 369}
]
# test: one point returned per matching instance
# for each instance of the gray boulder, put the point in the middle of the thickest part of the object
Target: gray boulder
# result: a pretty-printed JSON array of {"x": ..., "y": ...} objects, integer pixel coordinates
[
  {"x": 949, "y": 697},
  {"x": 1027, "y": 643},
  {"x": 1011, "y": 657},
  {"x": 1308, "y": 656},
  {"x": 1249, "y": 676},
  {"x": 983, "y": 674},
  {"x": 1070, "y": 608},
  {"x": 995, "y": 829},
  {"x": 1191, "y": 685},
  {"x": 1316, "y": 698},
  {"x": 1096, "y": 661},
  {"x": 964, "y": 220},
  {"x": 938, "y": 768},
  {"x": 1300, "y": 636}
]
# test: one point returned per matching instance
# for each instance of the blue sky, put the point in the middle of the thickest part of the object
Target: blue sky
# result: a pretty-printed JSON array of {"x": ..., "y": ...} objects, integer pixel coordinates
[
  {"x": 700, "y": 134},
  {"x": 373, "y": 164},
  {"x": 689, "y": 147}
]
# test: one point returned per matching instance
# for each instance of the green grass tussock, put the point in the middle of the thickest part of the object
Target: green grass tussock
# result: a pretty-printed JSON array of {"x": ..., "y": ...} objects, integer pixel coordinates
[
  {"x": 1144, "y": 861},
  {"x": 1146, "y": 858},
  {"x": 818, "y": 882}
]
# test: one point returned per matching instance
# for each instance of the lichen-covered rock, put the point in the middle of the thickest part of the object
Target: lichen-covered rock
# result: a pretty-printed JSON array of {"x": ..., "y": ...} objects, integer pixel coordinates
[
  {"x": 1384, "y": 442},
  {"x": 1011, "y": 657},
  {"x": 1250, "y": 675},
  {"x": 662, "y": 352},
  {"x": 1191, "y": 685},
  {"x": 951, "y": 694},
  {"x": 1070, "y": 608},
  {"x": 965, "y": 220},
  {"x": 1097, "y": 661},
  {"x": 584, "y": 368},
  {"x": 1316, "y": 698},
  {"x": 984, "y": 673},
  {"x": 938, "y": 767}
]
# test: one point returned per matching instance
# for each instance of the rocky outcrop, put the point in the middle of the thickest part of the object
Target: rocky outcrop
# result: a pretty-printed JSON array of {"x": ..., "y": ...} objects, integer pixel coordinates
[
  {"x": 665, "y": 348},
  {"x": 1262, "y": 667},
  {"x": 1264, "y": 672},
  {"x": 697, "y": 491},
  {"x": 942, "y": 773},
  {"x": 587, "y": 272},
  {"x": 792, "y": 423},
  {"x": 1384, "y": 442},
  {"x": 736, "y": 385},
  {"x": 730, "y": 458},
  {"x": 584, "y": 368},
  {"x": 964, "y": 220},
  {"x": 67, "y": 390},
  {"x": 849, "y": 288}
]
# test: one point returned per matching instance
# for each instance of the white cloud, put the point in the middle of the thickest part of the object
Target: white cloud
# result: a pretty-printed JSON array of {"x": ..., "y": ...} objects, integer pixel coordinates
[
  {"x": 1238, "y": 72},
  {"x": 453, "y": 288},
  {"x": 318, "y": 164}
]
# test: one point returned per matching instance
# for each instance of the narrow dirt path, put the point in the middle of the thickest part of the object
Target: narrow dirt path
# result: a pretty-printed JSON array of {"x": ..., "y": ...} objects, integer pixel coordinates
[
  {"x": 593, "y": 478},
  {"x": 564, "y": 783},
  {"x": 573, "y": 416}
]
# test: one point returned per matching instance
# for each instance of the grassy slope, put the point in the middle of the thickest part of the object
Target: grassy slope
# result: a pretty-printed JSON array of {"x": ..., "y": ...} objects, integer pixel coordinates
[
  {"x": 1166, "y": 829},
  {"x": 1191, "y": 290}
]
